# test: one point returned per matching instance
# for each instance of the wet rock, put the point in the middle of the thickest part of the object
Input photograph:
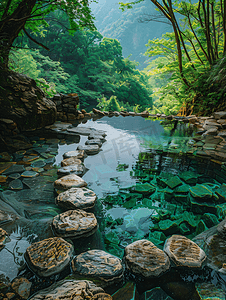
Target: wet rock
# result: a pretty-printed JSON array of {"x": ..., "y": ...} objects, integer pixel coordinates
[
  {"x": 101, "y": 266},
  {"x": 181, "y": 290},
  {"x": 208, "y": 291},
  {"x": 77, "y": 154},
  {"x": 72, "y": 169},
  {"x": 22, "y": 287},
  {"x": 219, "y": 115},
  {"x": 168, "y": 227},
  {"x": 89, "y": 149},
  {"x": 201, "y": 192},
  {"x": 14, "y": 169},
  {"x": 201, "y": 227},
  {"x": 16, "y": 185},
  {"x": 98, "y": 112},
  {"x": 94, "y": 142},
  {"x": 38, "y": 164},
  {"x": 3, "y": 235},
  {"x": 69, "y": 181},
  {"x": 144, "y": 258},
  {"x": 70, "y": 161},
  {"x": 3, "y": 178},
  {"x": 72, "y": 289},
  {"x": 14, "y": 176},
  {"x": 94, "y": 136},
  {"x": 210, "y": 220},
  {"x": 49, "y": 256},
  {"x": 81, "y": 130},
  {"x": 29, "y": 174},
  {"x": 203, "y": 207},
  {"x": 75, "y": 224},
  {"x": 221, "y": 192},
  {"x": 221, "y": 229},
  {"x": 189, "y": 177},
  {"x": 173, "y": 182},
  {"x": 144, "y": 188},
  {"x": 184, "y": 252},
  {"x": 76, "y": 198}
]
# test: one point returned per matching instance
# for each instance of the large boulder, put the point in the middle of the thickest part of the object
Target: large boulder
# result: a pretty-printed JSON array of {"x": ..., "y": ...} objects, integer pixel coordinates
[{"x": 25, "y": 103}]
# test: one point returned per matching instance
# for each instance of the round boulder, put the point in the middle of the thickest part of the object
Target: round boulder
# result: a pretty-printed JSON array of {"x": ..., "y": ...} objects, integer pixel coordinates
[
  {"x": 184, "y": 252},
  {"x": 49, "y": 256},
  {"x": 69, "y": 181},
  {"x": 70, "y": 161},
  {"x": 99, "y": 265},
  {"x": 72, "y": 289},
  {"x": 144, "y": 258},
  {"x": 76, "y": 198},
  {"x": 74, "y": 224}
]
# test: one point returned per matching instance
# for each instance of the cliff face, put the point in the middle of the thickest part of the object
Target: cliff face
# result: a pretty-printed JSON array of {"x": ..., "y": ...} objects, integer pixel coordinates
[{"x": 24, "y": 103}]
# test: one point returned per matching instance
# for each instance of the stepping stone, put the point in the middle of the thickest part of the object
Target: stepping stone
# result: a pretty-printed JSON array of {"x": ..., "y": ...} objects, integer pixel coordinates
[
  {"x": 76, "y": 198},
  {"x": 81, "y": 130},
  {"x": 72, "y": 289},
  {"x": 14, "y": 169},
  {"x": 49, "y": 256},
  {"x": 184, "y": 252},
  {"x": 14, "y": 176},
  {"x": 75, "y": 224},
  {"x": 3, "y": 235},
  {"x": 145, "y": 259},
  {"x": 38, "y": 164},
  {"x": 99, "y": 265},
  {"x": 89, "y": 149},
  {"x": 79, "y": 170},
  {"x": 29, "y": 174},
  {"x": 94, "y": 142},
  {"x": 70, "y": 161},
  {"x": 93, "y": 136},
  {"x": 69, "y": 181},
  {"x": 16, "y": 184},
  {"x": 201, "y": 192},
  {"x": 79, "y": 154}
]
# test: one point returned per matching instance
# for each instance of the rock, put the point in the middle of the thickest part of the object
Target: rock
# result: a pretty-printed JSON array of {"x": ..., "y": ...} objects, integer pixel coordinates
[
  {"x": 14, "y": 169},
  {"x": 16, "y": 185},
  {"x": 201, "y": 192},
  {"x": 38, "y": 164},
  {"x": 72, "y": 289},
  {"x": 144, "y": 188},
  {"x": 89, "y": 149},
  {"x": 22, "y": 287},
  {"x": 211, "y": 123},
  {"x": 180, "y": 290},
  {"x": 99, "y": 265},
  {"x": 76, "y": 198},
  {"x": 94, "y": 136},
  {"x": 75, "y": 224},
  {"x": 69, "y": 181},
  {"x": 3, "y": 235},
  {"x": 189, "y": 177},
  {"x": 221, "y": 192},
  {"x": 219, "y": 115},
  {"x": 49, "y": 256},
  {"x": 14, "y": 176},
  {"x": 210, "y": 220},
  {"x": 221, "y": 229},
  {"x": 30, "y": 109},
  {"x": 79, "y": 170},
  {"x": 81, "y": 130},
  {"x": 173, "y": 182},
  {"x": 208, "y": 291},
  {"x": 29, "y": 174},
  {"x": 184, "y": 252},
  {"x": 98, "y": 112},
  {"x": 94, "y": 142},
  {"x": 70, "y": 161},
  {"x": 77, "y": 154},
  {"x": 145, "y": 259},
  {"x": 3, "y": 178},
  {"x": 211, "y": 131},
  {"x": 127, "y": 292},
  {"x": 168, "y": 227}
]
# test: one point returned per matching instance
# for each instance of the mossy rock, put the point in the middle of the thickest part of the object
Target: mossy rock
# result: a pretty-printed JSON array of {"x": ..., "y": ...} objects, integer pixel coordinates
[
  {"x": 168, "y": 227},
  {"x": 144, "y": 188},
  {"x": 201, "y": 192}
]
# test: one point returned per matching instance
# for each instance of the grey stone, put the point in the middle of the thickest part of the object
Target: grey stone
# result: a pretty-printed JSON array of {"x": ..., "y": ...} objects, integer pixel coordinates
[
  {"x": 78, "y": 154},
  {"x": 72, "y": 169},
  {"x": 69, "y": 181},
  {"x": 89, "y": 149},
  {"x": 16, "y": 184}
]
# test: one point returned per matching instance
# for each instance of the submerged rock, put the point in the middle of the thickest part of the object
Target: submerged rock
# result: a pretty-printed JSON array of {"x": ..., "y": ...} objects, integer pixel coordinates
[
  {"x": 49, "y": 256},
  {"x": 184, "y": 252},
  {"x": 3, "y": 235},
  {"x": 75, "y": 224},
  {"x": 69, "y": 181},
  {"x": 22, "y": 287},
  {"x": 72, "y": 289},
  {"x": 76, "y": 198},
  {"x": 101, "y": 266},
  {"x": 14, "y": 169},
  {"x": 145, "y": 259}
]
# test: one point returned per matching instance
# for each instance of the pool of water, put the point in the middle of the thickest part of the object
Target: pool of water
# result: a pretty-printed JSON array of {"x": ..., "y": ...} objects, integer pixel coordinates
[{"x": 136, "y": 151}]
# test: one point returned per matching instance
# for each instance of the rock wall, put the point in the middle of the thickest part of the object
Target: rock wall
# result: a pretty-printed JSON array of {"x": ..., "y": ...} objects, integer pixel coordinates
[{"x": 66, "y": 106}]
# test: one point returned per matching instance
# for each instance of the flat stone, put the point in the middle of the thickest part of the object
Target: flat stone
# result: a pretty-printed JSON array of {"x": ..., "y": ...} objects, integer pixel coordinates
[
  {"x": 74, "y": 224},
  {"x": 30, "y": 158},
  {"x": 22, "y": 287},
  {"x": 208, "y": 291},
  {"x": 94, "y": 142},
  {"x": 184, "y": 252},
  {"x": 89, "y": 149},
  {"x": 144, "y": 258},
  {"x": 201, "y": 207},
  {"x": 72, "y": 169},
  {"x": 219, "y": 115},
  {"x": 70, "y": 161},
  {"x": 173, "y": 182},
  {"x": 72, "y": 289},
  {"x": 189, "y": 177},
  {"x": 3, "y": 178},
  {"x": 144, "y": 188},
  {"x": 38, "y": 164},
  {"x": 5, "y": 217},
  {"x": 201, "y": 192},
  {"x": 29, "y": 174},
  {"x": 211, "y": 131},
  {"x": 94, "y": 136},
  {"x": 50, "y": 160},
  {"x": 210, "y": 220},
  {"x": 182, "y": 189},
  {"x": 76, "y": 198},
  {"x": 221, "y": 228},
  {"x": 14, "y": 176},
  {"x": 3, "y": 235},
  {"x": 78, "y": 154},
  {"x": 69, "y": 181},
  {"x": 127, "y": 292},
  {"x": 16, "y": 184},
  {"x": 168, "y": 227},
  {"x": 98, "y": 264},
  {"x": 14, "y": 169},
  {"x": 82, "y": 130},
  {"x": 221, "y": 192},
  {"x": 49, "y": 256}
]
